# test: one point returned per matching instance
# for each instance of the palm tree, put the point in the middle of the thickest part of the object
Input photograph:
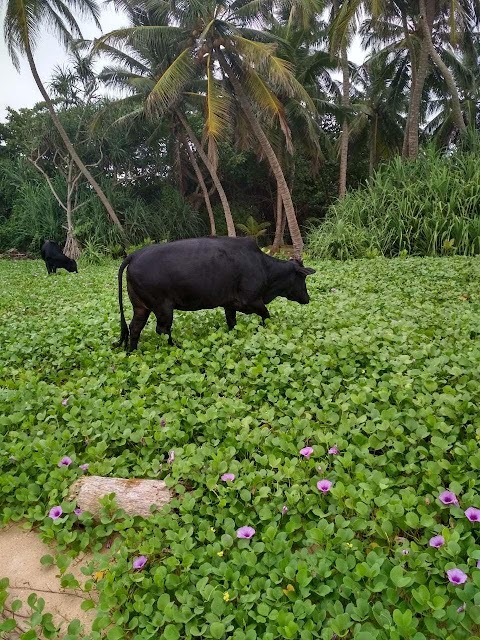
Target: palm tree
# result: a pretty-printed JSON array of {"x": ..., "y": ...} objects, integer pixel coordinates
[
  {"x": 136, "y": 72},
  {"x": 215, "y": 40},
  {"x": 301, "y": 36},
  {"x": 23, "y": 23},
  {"x": 378, "y": 98}
]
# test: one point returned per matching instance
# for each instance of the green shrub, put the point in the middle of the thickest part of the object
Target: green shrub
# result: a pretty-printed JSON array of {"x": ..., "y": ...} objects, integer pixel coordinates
[{"x": 429, "y": 207}]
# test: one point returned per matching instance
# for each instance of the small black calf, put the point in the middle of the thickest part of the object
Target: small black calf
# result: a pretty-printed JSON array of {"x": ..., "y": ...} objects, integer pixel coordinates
[{"x": 55, "y": 259}]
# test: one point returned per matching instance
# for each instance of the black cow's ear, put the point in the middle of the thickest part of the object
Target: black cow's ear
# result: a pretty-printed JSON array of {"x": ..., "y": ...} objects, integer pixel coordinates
[{"x": 305, "y": 271}]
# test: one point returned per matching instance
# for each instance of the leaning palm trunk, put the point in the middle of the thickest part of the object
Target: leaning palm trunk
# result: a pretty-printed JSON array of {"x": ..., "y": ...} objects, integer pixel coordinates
[
  {"x": 203, "y": 187},
  {"x": 196, "y": 143},
  {"x": 279, "y": 224},
  {"x": 269, "y": 153},
  {"x": 71, "y": 248},
  {"x": 68, "y": 145},
  {"x": 444, "y": 70},
  {"x": 342, "y": 183}
]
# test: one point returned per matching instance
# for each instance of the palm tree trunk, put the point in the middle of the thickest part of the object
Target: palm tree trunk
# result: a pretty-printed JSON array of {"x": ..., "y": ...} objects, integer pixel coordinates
[
  {"x": 203, "y": 187},
  {"x": 196, "y": 143},
  {"x": 413, "y": 67},
  {"x": 279, "y": 224},
  {"x": 342, "y": 183},
  {"x": 71, "y": 248},
  {"x": 269, "y": 153},
  {"x": 413, "y": 118},
  {"x": 444, "y": 70},
  {"x": 373, "y": 145},
  {"x": 68, "y": 145}
]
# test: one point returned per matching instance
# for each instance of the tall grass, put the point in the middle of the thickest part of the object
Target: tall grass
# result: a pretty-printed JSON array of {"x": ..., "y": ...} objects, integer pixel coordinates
[
  {"x": 36, "y": 216},
  {"x": 429, "y": 207}
]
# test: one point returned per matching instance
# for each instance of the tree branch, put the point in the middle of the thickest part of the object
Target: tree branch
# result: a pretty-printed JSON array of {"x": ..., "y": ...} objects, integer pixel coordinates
[{"x": 49, "y": 182}]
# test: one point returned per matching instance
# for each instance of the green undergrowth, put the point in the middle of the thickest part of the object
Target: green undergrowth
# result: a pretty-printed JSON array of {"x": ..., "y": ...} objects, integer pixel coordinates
[{"x": 384, "y": 364}]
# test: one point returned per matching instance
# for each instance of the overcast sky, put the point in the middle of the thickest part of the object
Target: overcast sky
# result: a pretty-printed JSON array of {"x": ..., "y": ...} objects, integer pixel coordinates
[{"x": 19, "y": 89}]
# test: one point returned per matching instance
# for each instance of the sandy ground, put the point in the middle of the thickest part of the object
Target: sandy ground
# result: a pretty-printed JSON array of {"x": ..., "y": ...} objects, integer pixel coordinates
[{"x": 20, "y": 553}]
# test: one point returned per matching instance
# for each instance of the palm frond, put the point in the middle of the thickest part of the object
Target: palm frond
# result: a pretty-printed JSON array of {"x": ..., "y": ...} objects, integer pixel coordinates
[{"x": 171, "y": 83}]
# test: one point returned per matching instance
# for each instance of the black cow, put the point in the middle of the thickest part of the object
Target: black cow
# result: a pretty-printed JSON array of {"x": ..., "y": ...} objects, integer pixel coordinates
[
  {"x": 205, "y": 273},
  {"x": 55, "y": 259}
]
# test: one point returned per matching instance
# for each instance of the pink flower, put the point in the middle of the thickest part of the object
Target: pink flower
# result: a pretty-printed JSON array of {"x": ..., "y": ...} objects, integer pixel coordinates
[
  {"x": 461, "y": 608},
  {"x": 140, "y": 562},
  {"x": 333, "y": 451},
  {"x": 306, "y": 452},
  {"x": 246, "y": 532},
  {"x": 473, "y": 514},
  {"x": 228, "y": 477},
  {"x": 478, "y": 564},
  {"x": 65, "y": 462},
  {"x": 78, "y": 511},
  {"x": 324, "y": 485},
  {"x": 55, "y": 513},
  {"x": 171, "y": 456},
  {"x": 284, "y": 510},
  {"x": 163, "y": 422},
  {"x": 84, "y": 467},
  {"x": 448, "y": 497},
  {"x": 436, "y": 541},
  {"x": 456, "y": 576},
  {"x": 65, "y": 402}
]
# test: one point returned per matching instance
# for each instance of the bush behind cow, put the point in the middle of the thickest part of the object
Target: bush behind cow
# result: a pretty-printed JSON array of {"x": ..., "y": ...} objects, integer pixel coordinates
[{"x": 204, "y": 273}]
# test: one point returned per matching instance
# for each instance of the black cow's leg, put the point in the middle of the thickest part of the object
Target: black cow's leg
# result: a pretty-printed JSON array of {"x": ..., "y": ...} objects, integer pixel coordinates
[
  {"x": 231, "y": 317},
  {"x": 260, "y": 309},
  {"x": 139, "y": 320},
  {"x": 164, "y": 317}
]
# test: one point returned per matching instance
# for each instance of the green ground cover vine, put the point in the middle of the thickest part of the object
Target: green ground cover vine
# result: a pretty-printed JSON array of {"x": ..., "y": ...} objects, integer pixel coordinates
[{"x": 382, "y": 369}]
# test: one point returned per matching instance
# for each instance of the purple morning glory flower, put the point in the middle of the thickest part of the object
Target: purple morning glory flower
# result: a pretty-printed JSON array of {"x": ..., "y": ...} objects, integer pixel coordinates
[
  {"x": 228, "y": 477},
  {"x": 473, "y": 514},
  {"x": 55, "y": 513},
  {"x": 333, "y": 451},
  {"x": 171, "y": 456},
  {"x": 140, "y": 562},
  {"x": 84, "y": 467},
  {"x": 65, "y": 402},
  {"x": 65, "y": 462},
  {"x": 478, "y": 564},
  {"x": 306, "y": 452},
  {"x": 78, "y": 511},
  {"x": 436, "y": 541},
  {"x": 163, "y": 422},
  {"x": 284, "y": 510},
  {"x": 461, "y": 608},
  {"x": 456, "y": 576},
  {"x": 448, "y": 497},
  {"x": 324, "y": 485},
  {"x": 246, "y": 532}
]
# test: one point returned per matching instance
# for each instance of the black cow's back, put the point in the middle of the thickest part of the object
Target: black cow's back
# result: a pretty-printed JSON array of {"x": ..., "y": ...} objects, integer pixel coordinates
[{"x": 198, "y": 273}]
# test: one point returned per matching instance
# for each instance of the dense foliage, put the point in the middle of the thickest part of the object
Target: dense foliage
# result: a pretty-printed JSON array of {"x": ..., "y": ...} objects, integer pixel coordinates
[
  {"x": 235, "y": 109},
  {"x": 383, "y": 365},
  {"x": 430, "y": 207}
]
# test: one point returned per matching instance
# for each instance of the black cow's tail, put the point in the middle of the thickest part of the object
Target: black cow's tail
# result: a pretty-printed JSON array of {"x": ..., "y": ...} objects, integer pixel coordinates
[{"x": 123, "y": 323}]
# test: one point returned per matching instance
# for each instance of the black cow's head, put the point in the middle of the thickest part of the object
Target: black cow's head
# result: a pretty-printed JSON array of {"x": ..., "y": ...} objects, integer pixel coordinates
[
  {"x": 296, "y": 286},
  {"x": 71, "y": 266}
]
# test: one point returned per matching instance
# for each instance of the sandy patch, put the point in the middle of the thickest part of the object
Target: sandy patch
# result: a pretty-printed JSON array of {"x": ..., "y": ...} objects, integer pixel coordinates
[{"x": 20, "y": 553}]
